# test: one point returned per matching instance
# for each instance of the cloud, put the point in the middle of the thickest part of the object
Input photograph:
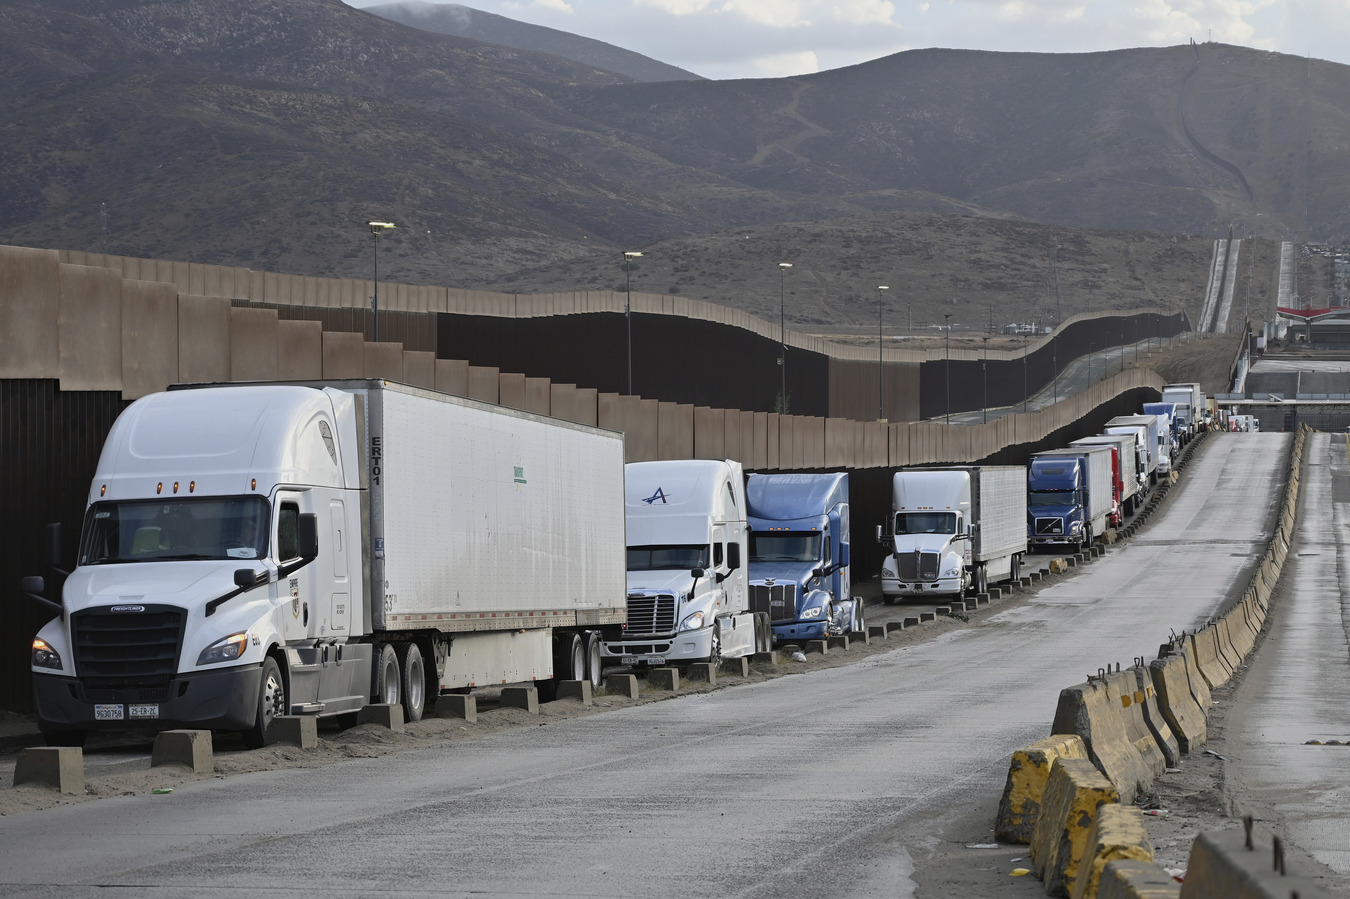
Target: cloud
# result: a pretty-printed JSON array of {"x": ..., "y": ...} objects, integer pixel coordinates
[
  {"x": 769, "y": 13},
  {"x": 675, "y": 7},
  {"x": 785, "y": 65}
]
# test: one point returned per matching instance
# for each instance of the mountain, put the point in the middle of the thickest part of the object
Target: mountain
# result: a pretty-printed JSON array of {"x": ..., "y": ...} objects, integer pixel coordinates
[
  {"x": 266, "y": 133},
  {"x": 461, "y": 21}
]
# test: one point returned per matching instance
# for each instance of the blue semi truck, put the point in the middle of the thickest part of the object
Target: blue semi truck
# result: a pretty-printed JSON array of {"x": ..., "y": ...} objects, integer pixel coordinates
[{"x": 799, "y": 555}]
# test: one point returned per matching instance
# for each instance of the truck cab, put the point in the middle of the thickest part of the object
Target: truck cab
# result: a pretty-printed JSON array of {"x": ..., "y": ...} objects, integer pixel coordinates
[
  {"x": 928, "y": 537},
  {"x": 799, "y": 555},
  {"x": 1056, "y": 502},
  {"x": 688, "y": 590}
]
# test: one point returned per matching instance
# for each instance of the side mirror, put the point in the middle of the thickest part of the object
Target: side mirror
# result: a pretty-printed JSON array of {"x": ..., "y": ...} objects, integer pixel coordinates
[
  {"x": 733, "y": 556},
  {"x": 34, "y": 585},
  {"x": 245, "y": 578},
  {"x": 697, "y": 572},
  {"x": 879, "y": 536},
  {"x": 843, "y": 555}
]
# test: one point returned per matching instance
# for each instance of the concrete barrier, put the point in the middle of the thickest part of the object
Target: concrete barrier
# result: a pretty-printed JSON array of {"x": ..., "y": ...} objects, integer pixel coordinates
[
  {"x": 739, "y": 667},
  {"x": 900, "y": 625},
  {"x": 1117, "y": 833},
  {"x": 1028, "y": 772},
  {"x": 1176, "y": 704},
  {"x": 837, "y": 642},
  {"x": 664, "y": 678},
  {"x": 302, "y": 730},
  {"x": 1231, "y": 656},
  {"x": 702, "y": 671},
  {"x": 384, "y": 714},
  {"x": 1072, "y": 795},
  {"x": 622, "y": 685},
  {"x": 1094, "y": 714},
  {"x": 820, "y": 646},
  {"x": 1199, "y": 687},
  {"x": 1132, "y": 879},
  {"x": 879, "y": 631},
  {"x": 1154, "y": 720},
  {"x": 184, "y": 747},
  {"x": 56, "y": 766},
  {"x": 1235, "y": 866},
  {"x": 580, "y": 690},
  {"x": 524, "y": 698},
  {"x": 1209, "y": 659},
  {"x": 1124, "y": 689},
  {"x": 459, "y": 705},
  {"x": 766, "y": 658}
]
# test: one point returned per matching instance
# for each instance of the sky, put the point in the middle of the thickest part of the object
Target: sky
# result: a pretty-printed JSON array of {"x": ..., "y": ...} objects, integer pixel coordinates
[{"x": 725, "y": 39}]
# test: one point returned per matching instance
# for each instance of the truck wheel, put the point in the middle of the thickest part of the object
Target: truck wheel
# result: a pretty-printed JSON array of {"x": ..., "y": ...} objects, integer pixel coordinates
[
  {"x": 1016, "y": 568},
  {"x": 715, "y": 653},
  {"x": 413, "y": 685},
  {"x": 384, "y": 677},
  {"x": 594, "y": 663},
  {"x": 859, "y": 615},
  {"x": 574, "y": 663},
  {"x": 271, "y": 704},
  {"x": 763, "y": 632}
]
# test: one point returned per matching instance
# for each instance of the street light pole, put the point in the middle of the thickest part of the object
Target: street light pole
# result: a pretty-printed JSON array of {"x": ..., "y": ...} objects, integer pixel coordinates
[
  {"x": 782, "y": 333},
  {"x": 947, "y": 323},
  {"x": 881, "y": 372},
  {"x": 984, "y": 370},
  {"x": 376, "y": 229},
  {"x": 628, "y": 257}
]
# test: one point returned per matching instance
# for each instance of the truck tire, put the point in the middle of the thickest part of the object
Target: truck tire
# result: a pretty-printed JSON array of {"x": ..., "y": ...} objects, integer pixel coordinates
[
  {"x": 1016, "y": 571},
  {"x": 384, "y": 676},
  {"x": 271, "y": 704},
  {"x": 594, "y": 663},
  {"x": 715, "y": 653},
  {"x": 859, "y": 615},
  {"x": 413, "y": 682}
]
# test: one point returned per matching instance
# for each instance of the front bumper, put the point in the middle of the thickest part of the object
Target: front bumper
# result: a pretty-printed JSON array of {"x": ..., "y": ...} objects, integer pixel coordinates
[
  {"x": 939, "y": 587},
  {"x": 686, "y": 646},
  {"x": 217, "y": 700},
  {"x": 801, "y": 630}
]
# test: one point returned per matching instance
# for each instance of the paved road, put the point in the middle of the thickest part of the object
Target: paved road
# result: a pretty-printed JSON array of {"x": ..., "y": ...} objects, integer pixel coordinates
[
  {"x": 833, "y": 783},
  {"x": 1298, "y": 686}
]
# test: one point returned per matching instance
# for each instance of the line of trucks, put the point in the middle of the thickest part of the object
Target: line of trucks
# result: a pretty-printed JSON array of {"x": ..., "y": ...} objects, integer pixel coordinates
[
  {"x": 253, "y": 551},
  {"x": 260, "y": 550}
]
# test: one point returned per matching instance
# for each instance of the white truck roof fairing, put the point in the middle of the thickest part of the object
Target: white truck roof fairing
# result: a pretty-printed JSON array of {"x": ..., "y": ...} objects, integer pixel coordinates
[
  {"x": 215, "y": 441},
  {"x": 677, "y": 502},
  {"x": 790, "y": 497},
  {"x": 940, "y": 490}
]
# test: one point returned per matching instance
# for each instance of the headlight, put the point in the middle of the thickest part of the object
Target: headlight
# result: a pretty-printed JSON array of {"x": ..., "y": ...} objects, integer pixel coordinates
[
  {"x": 44, "y": 656},
  {"x": 952, "y": 572},
  {"x": 226, "y": 650},
  {"x": 693, "y": 622},
  {"x": 813, "y": 613},
  {"x": 1075, "y": 527}
]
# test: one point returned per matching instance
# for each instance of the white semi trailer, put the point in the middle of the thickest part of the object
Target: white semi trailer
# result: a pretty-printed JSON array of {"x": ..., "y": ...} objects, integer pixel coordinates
[{"x": 251, "y": 551}]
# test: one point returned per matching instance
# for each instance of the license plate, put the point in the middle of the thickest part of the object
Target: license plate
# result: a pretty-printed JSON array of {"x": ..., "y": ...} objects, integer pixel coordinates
[
  {"x": 143, "y": 711},
  {"x": 641, "y": 660},
  {"x": 108, "y": 712}
]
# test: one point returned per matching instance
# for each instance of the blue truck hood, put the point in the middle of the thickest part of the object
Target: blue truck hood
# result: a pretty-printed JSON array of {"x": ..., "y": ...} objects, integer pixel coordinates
[{"x": 783, "y": 572}]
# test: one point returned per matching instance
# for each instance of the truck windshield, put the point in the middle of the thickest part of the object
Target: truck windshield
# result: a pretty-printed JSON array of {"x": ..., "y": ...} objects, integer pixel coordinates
[
  {"x": 1037, "y": 499},
  {"x": 666, "y": 558},
  {"x": 786, "y": 546},
  {"x": 158, "y": 530},
  {"x": 925, "y": 522}
]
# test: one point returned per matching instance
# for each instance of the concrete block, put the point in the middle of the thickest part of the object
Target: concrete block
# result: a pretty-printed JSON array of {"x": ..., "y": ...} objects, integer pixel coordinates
[
  {"x": 580, "y": 690},
  {"x": 820, "y": 646},
  {"x": 863, "y": 637},
  {"x": 839, "y": 642},
  {"x": 1221, "y": 864},
  {"x": 622, "y": 685},
  {"x": 302, "y": 730},
  {"x": 925, "y": 616},
  {"x": 735, "y": 667},
  {"x": 983, "y": 598},
  {"x": 1132, "y": 879},
  {"x": 458, "y": 705},
  {"x": 900, "y": 625},
  {"x": 702, "y": 671},
  {"x": 385, "y": 714},
  {"x": 1093, "y": 711},
  {"x": 526, "y": 698},
  {"x": 1028, "y": 772},
  {"x": 56, "y": 766},
  {"x": 1117, "y": 833},
  {"x": 1059, "y": 841},
  {"x": 879, "y": 631},
  {"x": 664, "y": 678},
  {"x": 184, "y": 747},
  {"x": 766, "y": 658},
  {"x": 943, "y": 610}
]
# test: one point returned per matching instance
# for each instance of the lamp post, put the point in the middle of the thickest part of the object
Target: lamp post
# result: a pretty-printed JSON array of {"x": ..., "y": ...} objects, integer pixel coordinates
[
  {"x": 782, "y": 333},
  {"x": 628, "y": 257},
  {"x": 947, "y": 323},
  {"x": 1024, "y": 375},
  {"x": 376, "y": 229},
  {"x": 881, "y": 376},
  {"x": 984, "y": 371}
]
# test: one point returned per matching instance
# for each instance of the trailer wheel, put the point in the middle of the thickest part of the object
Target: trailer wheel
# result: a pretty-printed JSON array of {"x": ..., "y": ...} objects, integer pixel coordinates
[
  {"x": 1016, "y": 572},
  {"x": 384, "y": 677},
  {"x": 594, "y": 663},
  {"x": 271, "y": 704},
  {"x": 859, "y": 615},
  {"x": 979, "y": 581},
  {"x": 413, "y": 685}
]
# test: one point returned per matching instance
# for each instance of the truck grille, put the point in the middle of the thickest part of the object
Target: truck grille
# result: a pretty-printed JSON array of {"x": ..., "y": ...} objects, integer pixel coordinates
[
  {"x": 1049, "y": 527},
  {"x": 779, "y": 600},
  {"x": 650, "y": 614},
  {"x": 917, "y": 566},
  {"x": 121, "y": 648}
]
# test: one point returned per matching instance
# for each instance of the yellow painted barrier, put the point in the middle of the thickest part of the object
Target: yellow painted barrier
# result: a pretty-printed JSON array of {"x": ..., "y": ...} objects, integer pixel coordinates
[
  {"x": 1117, "y": 833},
  {"x": 1028, "y": 772},
  {"x": 1072, "y": 795}
]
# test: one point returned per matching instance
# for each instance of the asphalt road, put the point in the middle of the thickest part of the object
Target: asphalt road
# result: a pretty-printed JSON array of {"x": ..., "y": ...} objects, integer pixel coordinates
[{"x": 838, "y": 782}]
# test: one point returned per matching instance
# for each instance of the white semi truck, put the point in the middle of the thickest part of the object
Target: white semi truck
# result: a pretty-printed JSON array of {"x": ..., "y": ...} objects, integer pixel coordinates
[
  {"x": 953, "y": 530},
  {"x": 251, "y": 551},
  {"x": 688, "y": 590}
]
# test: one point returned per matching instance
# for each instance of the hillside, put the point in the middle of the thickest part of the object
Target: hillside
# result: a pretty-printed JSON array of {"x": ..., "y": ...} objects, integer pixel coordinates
[{"x": 266, "y": 133}]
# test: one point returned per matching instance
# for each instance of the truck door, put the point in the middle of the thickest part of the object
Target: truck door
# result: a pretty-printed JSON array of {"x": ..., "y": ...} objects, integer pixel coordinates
[{"x": 339, "y": 605}]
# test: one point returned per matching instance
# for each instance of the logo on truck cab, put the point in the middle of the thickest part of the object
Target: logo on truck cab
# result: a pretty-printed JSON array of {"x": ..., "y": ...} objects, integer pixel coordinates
[{"x": 659, "y": 494}]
